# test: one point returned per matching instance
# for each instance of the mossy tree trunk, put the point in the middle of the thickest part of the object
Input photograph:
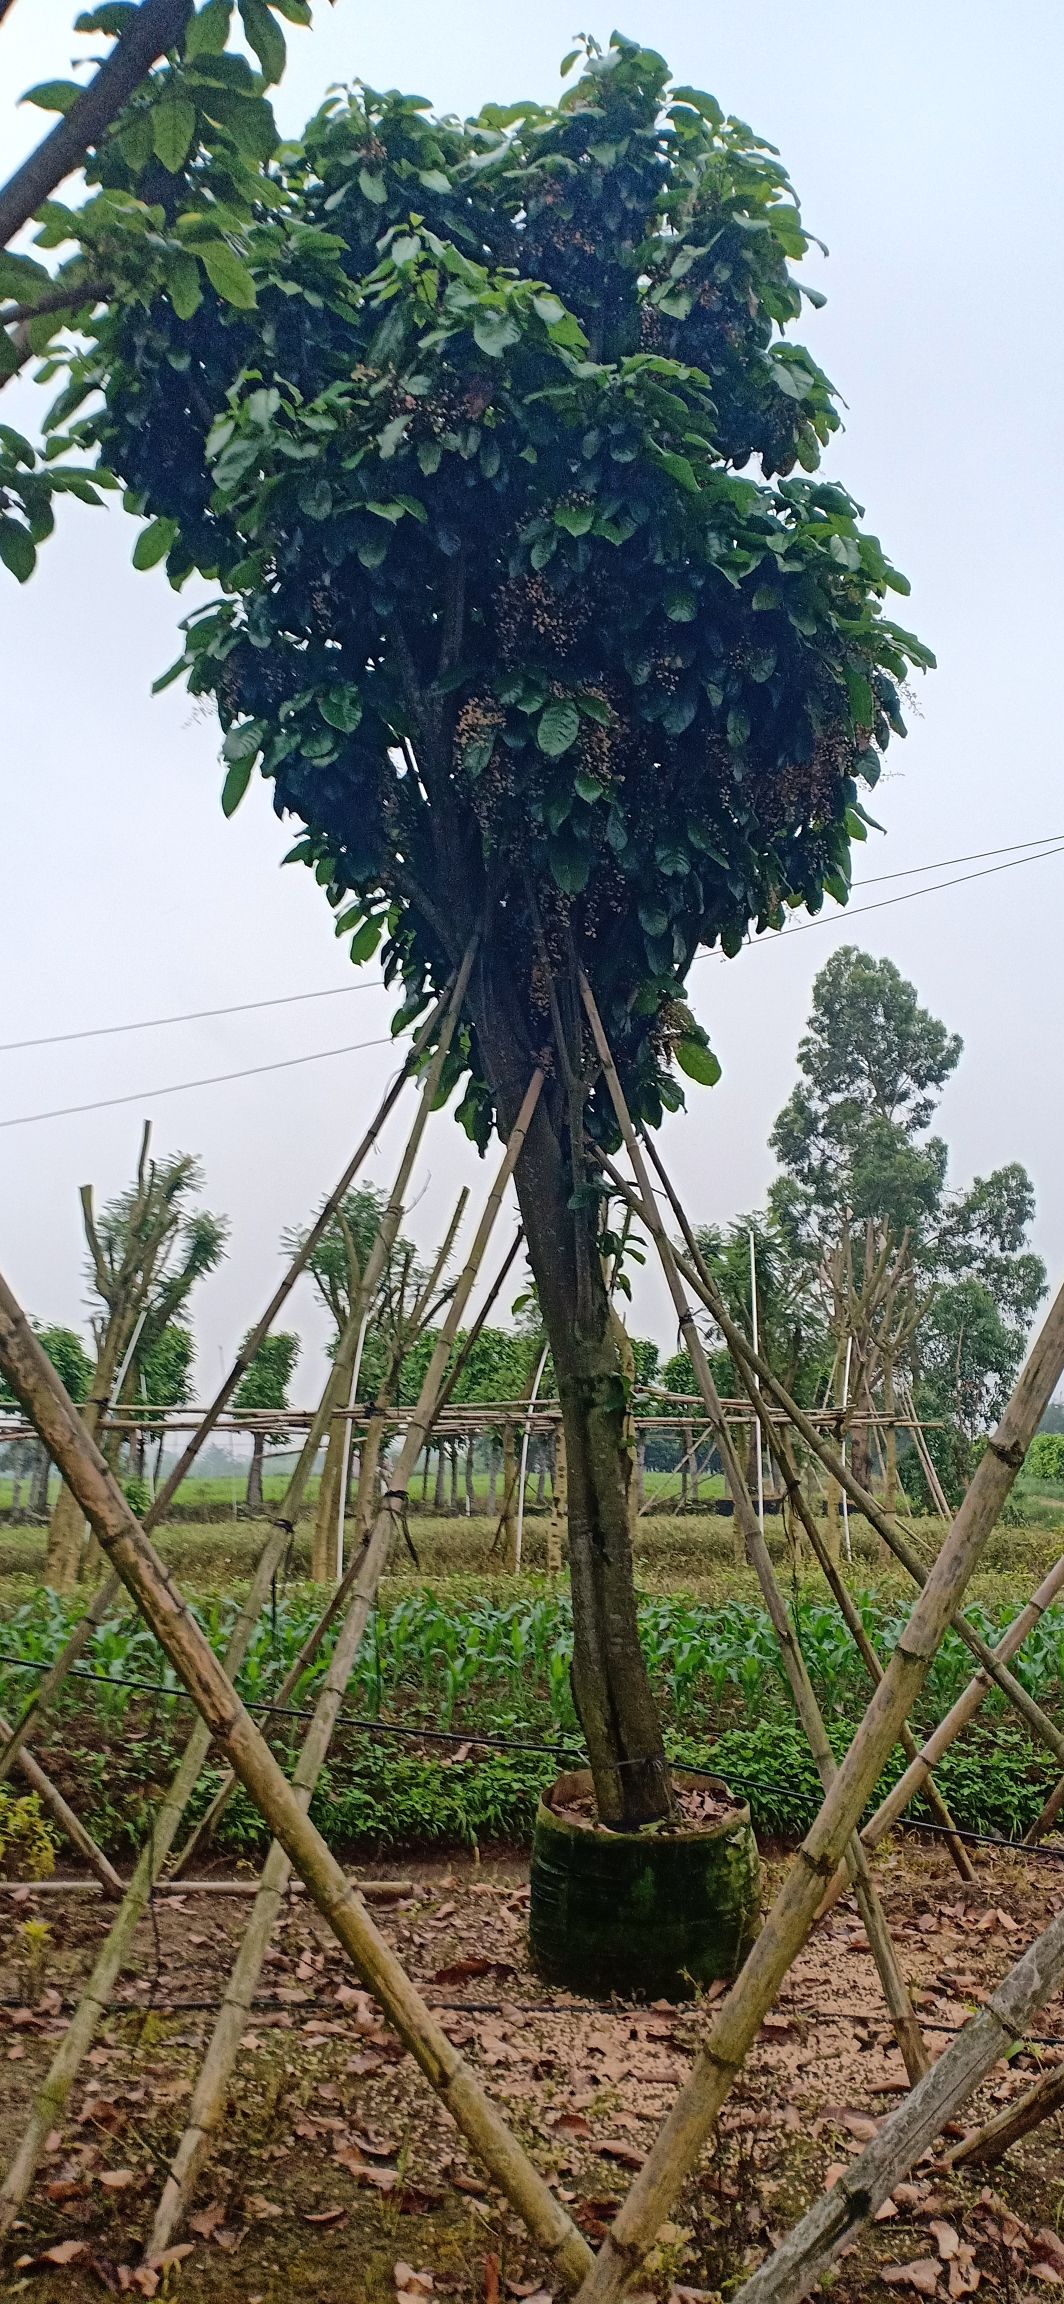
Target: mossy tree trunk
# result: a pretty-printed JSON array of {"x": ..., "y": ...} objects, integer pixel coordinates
[{"x": 611, "y": 1686}]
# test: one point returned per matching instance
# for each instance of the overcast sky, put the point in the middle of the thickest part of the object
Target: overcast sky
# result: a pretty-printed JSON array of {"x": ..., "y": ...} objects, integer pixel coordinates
[{"x": 923, "y": 142}]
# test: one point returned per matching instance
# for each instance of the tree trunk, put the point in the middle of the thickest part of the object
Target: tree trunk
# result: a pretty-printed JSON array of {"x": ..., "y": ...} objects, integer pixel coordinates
[
  {"x": 470, "y": 1472},
  {"x": 493, "y": 1478},
  {"x": 890, "y": 1441},
  {"x": 452, "y": 1476},
  {"x": 253, "y": 1498},
  {"x": 441, "y": 1468},
  {"x": 687, "y": 1438},
  {"x": 541, "y": 1478},
  {"x": 611, "y": 1686},
  {"x": 640, "y": 1472}
]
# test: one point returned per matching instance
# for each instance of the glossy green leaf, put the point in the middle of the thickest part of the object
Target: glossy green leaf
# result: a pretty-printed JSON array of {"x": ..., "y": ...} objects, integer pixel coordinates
[
  {"x": 53, "y": 95},
  {"x": 695, "y": 1057},
  {"x": 265, "y": 37},
  {"x": 342, "y": 708},
  {"x": 208, "y": 29},
  {"x": 17, "y": 549},
  {"x": 559, "y": 727},
  {"x": 173, "y": 131},
  {"x": 154, "y": 543},
  {"x": 238, "y": 777},
  {"x": 228, "y": 274}
]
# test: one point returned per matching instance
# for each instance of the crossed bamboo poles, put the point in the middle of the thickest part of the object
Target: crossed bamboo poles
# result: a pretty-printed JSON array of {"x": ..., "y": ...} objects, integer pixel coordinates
[{"x": 831, "y": 1843}]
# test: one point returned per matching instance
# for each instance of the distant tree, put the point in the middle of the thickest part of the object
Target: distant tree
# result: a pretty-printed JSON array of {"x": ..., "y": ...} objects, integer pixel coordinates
[
  {"x": 147, "y": 1250},
  {"x": 165, "y": 1372},
  {"x": 265, "y": 1387},
  {"x": 68, "y": 1356}
]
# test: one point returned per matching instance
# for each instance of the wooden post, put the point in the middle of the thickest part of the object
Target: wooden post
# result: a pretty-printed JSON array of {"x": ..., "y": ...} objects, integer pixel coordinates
[
  {"x": 147, "y": 1579},
  {"x": 895, "y": 1989},
  {"x": 804, "y": 2256},
  {"x": 738, "y": 2017},
  {"x": 984, "y": 2145},
  {"x": 559, "y": 1505}
]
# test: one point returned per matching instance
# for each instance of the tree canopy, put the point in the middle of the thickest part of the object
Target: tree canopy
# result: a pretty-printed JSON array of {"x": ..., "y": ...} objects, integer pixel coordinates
[{"x": 456, "y": 413}]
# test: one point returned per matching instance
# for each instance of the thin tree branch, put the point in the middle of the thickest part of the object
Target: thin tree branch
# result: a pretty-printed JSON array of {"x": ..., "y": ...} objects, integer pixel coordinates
[{"x": 156, "y": 27}]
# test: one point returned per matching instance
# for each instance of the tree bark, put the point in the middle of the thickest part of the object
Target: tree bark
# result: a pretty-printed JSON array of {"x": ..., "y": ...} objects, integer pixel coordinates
[
  {"x": 611, "y": 1685},
  {"x": 558, "y": 1507},
  {"x": 439, "y": 1490},
  {"x": 509, "y": 1496},
  {"x": 470, "y": 1472},
  {"x": 253, "y": 1498},
  {"x": 493, "y": 1478}
]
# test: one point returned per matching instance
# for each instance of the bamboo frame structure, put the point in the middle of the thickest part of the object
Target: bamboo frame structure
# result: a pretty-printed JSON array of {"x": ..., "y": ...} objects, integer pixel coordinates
[
  {"x": 224, "y": 1717},
  {"x": 804, "y": 2256},
  {"x": 210, "y": 2093},
  {"x": 48, "y": 1687},
  {"x": 895, "y": 1990}
]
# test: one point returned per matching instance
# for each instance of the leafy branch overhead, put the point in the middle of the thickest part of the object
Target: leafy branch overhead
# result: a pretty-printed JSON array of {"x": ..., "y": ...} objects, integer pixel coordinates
[{"x": 458, "y": 417}]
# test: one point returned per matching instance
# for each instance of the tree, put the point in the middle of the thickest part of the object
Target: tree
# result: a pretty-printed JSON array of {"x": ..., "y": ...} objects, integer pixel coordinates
[
  {"x": 264, "y": 1386},
  {"x": 459, "y": 423},
  {"x": 146, "y": 1253},
  {"x": 165, "y": 1380},
  {"x": 912, "y": 1274},
  {"x": 73, "y": 1366}
]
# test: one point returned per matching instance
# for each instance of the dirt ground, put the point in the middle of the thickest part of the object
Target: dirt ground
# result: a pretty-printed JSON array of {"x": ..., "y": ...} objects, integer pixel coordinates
[{"x": 337, "y": 2181}]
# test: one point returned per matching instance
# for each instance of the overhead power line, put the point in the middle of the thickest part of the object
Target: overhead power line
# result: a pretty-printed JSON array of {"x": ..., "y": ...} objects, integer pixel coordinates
[
  {"x": 212, "y": 1080},
  {"x": 847, "y": 912},
  {"x": 189, "y": 1016},
  {"x": 334, "y": 991},
  {"x": 320, "y": 1055}
]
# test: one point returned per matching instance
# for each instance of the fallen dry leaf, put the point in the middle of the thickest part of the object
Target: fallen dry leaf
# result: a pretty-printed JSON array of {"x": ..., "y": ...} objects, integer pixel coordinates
[
  {"x": 613, "y": 2148},
  {"x": 411, "y": 2283},
  {"x": 64, "y": 2252},
  {"x": 947, "y": 2238},
  {"x": 921, "y": 2274},
  {"x": 118, "y": 2179},
  {"x": 324, "y": 2215},
  {"x": 492, "y": 2269},
  {"x": 208, "y": 2219}
]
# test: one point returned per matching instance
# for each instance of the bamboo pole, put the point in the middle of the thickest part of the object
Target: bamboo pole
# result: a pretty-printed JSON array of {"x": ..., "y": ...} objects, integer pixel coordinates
[
  {"x": 739, "y": 2015},
  {"x": 886, "y": 1527},
  {"x": 49, "y": 1686},
  {"x": 984, "y": 2145},
  {"x": 851, "y": 1615},
  {"x": 52, "y": 2098},
  {"x": 147, "y": 1579},
  {"x": 895, "y": 1990},
  {"x": 831, "y": 2223},
  {"x": 76, "y": 1832},
  {"x": 960, "y": 1713},
  {"x": 210, "y": 2094}
]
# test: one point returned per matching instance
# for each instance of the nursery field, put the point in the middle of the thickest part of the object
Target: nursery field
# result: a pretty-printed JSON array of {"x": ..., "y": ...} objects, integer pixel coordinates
[{"x": 459, "y": 1712}]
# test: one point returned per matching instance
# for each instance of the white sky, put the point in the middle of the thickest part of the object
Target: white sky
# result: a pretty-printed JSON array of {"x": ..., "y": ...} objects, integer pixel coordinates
[{"x": 924, "y": 146}]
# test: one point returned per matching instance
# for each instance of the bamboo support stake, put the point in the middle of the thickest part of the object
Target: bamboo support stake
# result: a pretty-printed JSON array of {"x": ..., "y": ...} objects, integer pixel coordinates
[
  {"x": 960, "y": 1714},
  {"x": 886, "y": 1527},
  {"x": 740, "y": 2014},
  {"x": 984, "y": 2145},
  {"x": 831, "y": 2223},
  {"x": 851, "y": 1615},
  {"x": 895, "y": 1990},
  {"x": 80, "y": 2033},
  {"x": 1048, "y": 1818},
  {"x": 49, "y": 1686},
  {"x": 147, "y": 1579},
  {"x": 210, "y": 2094},
  {"x": 68, "y": 1823}
]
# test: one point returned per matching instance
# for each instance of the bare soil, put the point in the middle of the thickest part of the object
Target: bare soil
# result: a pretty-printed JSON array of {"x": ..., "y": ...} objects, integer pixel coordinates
[{"x": 337, "y": 2180}]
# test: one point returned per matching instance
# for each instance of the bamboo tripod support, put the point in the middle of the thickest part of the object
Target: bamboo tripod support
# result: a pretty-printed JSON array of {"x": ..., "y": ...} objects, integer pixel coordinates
[
  {"x": 96, "y": 1998},
  {"x": 740, "y": 2014},
  {"x": 151, "y": 1586},
  {"x": 211, "y": 2090},
  {"x": 804, "y": 2256},
  {"x": 780, "y": 1448},
  {"x": 49, "y": 1686},
  {"x": 885, "y": 1526},
  {"x": 895, "y": 1989}
]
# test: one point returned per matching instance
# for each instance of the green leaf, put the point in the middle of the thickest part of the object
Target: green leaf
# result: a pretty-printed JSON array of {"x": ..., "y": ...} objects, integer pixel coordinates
[
  {"x": 265, "y": 37},
  {"x": 576, "y": 519},
  {"x": 588, "y": 787},
  {"x": 862, "y": 703},
  {"x": 549, "y": 309},
  {"x": 136, "y": 141},
  {"x": 372, "y": 187},
  {"x": 365, "y": 942},
  {"x": 595, "y": 708},
  {"x": 434, "y": 180},
  {"x": 173, "y": 130},
  {"x": 244, "y": 742},
  {"x": 559, "y": 726},
  {"x": 208, "y": 30},
  {"x": 17, "y": 549},
  {"x": 53, "y": 95},
  {"x": 680, "y": 603},
  {"x": 112, "y": 18},
  {"x": 154, "y": 543},
  {"x": 695, "y": 1057},
  {"x": 183, "y": 283},
  {"x": 228, "y": 274},
  {"x": 493, "y": 331},
  {"x": 342, "y": 708},
  {"x": 570, "y": 866},
  {"x": 238, "y": 777}
]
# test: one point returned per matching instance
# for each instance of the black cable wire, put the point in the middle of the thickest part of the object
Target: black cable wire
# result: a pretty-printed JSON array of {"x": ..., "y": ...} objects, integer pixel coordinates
[
  {"x": 494, "y": 1743},
  {"x": 853, "y": 912},
  {"x": 210, "y": 1080}
]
